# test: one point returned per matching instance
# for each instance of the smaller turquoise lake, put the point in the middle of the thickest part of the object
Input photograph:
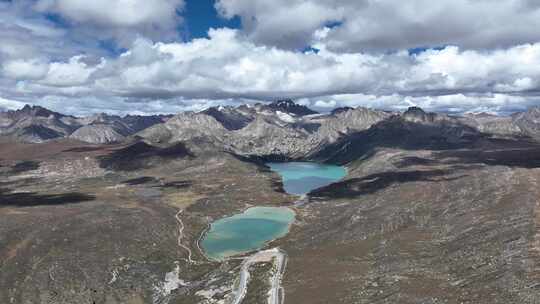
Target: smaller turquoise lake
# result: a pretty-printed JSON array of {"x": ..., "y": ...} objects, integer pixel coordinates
[
  {"x": 302, "y": 177},
  {"x": 247, "y": 231}
]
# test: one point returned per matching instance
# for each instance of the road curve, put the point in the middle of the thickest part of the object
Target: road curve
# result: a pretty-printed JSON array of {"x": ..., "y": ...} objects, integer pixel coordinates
[
  {"x": 181, "y": 236},
  {"x": 275, "y": 295}
]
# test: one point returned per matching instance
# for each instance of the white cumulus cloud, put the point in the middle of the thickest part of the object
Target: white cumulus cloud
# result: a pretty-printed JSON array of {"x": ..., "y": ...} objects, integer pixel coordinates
[
  {"x": 367, "y": 25},
  {"x": 359, "y": 55},
  {"x": 115, "y": 12},
  {"x": 25, "y": 69},
  {"x": 227, "y": 65}
]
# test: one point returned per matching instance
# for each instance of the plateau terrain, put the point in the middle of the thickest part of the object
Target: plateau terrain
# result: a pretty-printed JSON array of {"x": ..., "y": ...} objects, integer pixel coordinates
[{"x": 424, "y": 208}]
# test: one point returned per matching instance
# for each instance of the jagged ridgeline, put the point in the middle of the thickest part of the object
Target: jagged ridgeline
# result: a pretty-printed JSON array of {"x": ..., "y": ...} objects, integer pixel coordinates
[
  {"x": 279, "y": 130},
  {"x": 36, "y": 124}
]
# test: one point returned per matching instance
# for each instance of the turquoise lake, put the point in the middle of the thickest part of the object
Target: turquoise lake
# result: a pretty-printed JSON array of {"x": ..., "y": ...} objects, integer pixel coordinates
[
  {"x": 246, "y": 231},
  {"x": 301, "y": 177},
  {"x": 255, "y": 227}
]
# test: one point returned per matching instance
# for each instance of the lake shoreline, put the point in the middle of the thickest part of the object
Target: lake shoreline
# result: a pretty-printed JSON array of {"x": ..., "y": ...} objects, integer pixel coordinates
[{"x": 210, "y": 238}]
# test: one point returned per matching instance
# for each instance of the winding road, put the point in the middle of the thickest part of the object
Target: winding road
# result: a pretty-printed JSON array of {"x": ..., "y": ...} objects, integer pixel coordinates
[
  {"x": 275, "y": 295},
  {"x": 181, "y": 236}
]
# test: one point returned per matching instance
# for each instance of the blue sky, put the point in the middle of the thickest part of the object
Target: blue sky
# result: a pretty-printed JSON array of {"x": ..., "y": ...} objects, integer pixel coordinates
[
  {"x": 166, "y": 56},
  {"x": 200, "y": 16}
]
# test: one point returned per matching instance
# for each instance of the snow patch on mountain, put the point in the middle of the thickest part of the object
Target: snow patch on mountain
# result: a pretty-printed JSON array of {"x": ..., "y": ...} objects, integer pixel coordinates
[{"x": 285, "y": 117}]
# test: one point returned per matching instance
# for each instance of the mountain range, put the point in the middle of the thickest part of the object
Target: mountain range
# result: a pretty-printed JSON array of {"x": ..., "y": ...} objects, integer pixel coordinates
[
  {"x": 281, "y": 128},
  {"x": 35, "y": 124},
  {"x": 434, "y": 208}
]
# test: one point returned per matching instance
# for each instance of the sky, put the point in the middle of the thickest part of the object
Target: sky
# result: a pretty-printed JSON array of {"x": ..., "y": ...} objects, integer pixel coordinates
[{"x": 164, "y": 56}]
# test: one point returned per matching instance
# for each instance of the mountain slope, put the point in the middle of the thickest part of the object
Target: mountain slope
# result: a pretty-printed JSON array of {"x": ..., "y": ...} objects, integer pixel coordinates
[
  {"x": 529, "y": 122},
  {"x": 103, "y": 128},
  {"x": 280, "y": 128},
  {"x": 98, "y": 134},
  {"x": 414, "y": 129},
  {"x": 36, "y": 124}
]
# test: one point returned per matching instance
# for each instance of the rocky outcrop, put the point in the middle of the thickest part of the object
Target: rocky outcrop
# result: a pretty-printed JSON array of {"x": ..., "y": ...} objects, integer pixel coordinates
[
  {"x": 341, "y": 110},
  {"x": 529, "y": 122},
  {"x": 416, "y": 114},
  {"x": 230, "y": 118},
  {"x": 289, "y": 106}
]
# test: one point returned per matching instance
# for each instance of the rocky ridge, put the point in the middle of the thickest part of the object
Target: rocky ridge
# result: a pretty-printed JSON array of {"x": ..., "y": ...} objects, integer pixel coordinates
[
  {"x": 279, "y": 128},
  {"x": 35, "y": 124},
  {"x": 265, "y": 130}
]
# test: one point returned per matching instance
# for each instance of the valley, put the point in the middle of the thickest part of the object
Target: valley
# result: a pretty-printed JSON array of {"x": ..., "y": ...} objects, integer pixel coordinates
[{"x": 417, "y": 208}]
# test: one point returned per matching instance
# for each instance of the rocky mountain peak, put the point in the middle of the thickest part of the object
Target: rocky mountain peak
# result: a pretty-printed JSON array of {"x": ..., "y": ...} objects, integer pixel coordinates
[
  {"x": 289, "y": 106},
  {"x": 35, "y": 124},
  {"x": 415, "y": 111},
  {"x": 102, "y": 118},
  {"x": 35, "y": 111},
  {"x": 480, "y": 115},
  {"x": 533, "y": 113},
  {"x": 528, "y": 122},
  {"x": 228, "y": 117},
  {"x": 416, "y": 114},
  {"x": 341, "y": 110}
]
